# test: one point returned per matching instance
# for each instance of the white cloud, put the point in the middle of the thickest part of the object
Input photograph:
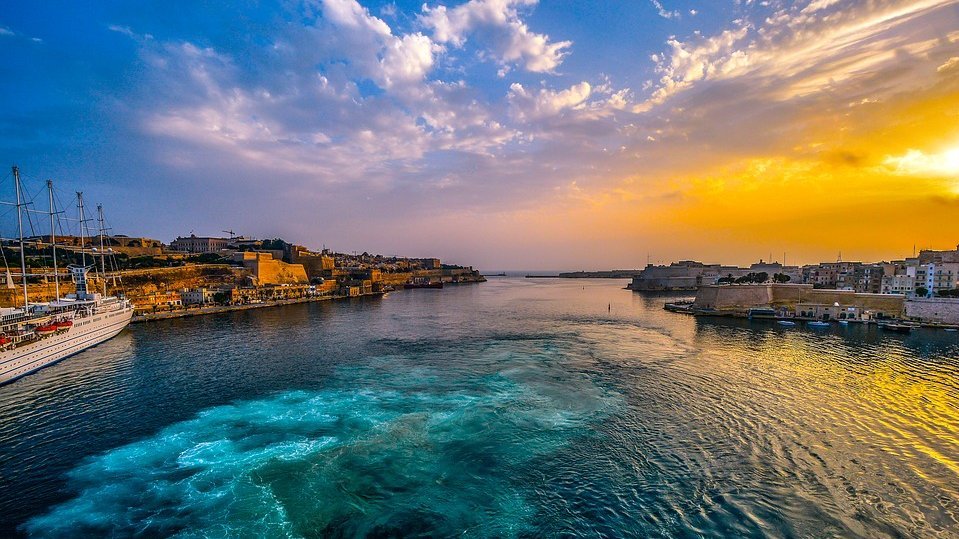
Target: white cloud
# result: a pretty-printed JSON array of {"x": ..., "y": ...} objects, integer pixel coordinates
[
  {"x": 663, "y": 12},
  {"x": 800, "y": 51},
  {"x": 919, "y": 163},
  {"x": 497, "y": 24},
  {"x": 534, "y": 105},
  {"x": 386, "y": 59},
  {"x": 949, "y": 65},
  {"x": 350, "y": 14},
  {"x": 407, "y": 59},
  {"x": 4, "y": 31}
]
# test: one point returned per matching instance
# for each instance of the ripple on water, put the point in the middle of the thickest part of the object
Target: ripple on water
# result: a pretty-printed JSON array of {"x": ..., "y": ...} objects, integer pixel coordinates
[{"x": 406, "y": 458}]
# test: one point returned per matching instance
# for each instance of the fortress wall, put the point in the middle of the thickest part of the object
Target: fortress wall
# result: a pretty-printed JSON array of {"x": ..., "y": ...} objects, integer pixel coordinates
[
  {"x": 939, "y": 310},
  {"x": 733, "y": 297}
]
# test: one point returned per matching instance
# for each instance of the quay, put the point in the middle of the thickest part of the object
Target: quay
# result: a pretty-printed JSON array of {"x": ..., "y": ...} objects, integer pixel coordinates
[
  {"x": 216, "y": 309},
  {"x": 803, "y": 302}
]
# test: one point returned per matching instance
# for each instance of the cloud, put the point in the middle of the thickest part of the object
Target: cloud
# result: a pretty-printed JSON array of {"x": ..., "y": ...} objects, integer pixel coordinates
[
  {"x": 918, "y": 163},
  {"x": 386, "y": 59},
  {"x": 533, "y": 105},
  {"x": 4, "y": 31},
  {"x": 800, "y": 51},
  {"x": 950, "y": 65},
  {"x": 341, "y": 107},
  {"x": 497, "y": 25},
  {"x": 665, "y": 13}
]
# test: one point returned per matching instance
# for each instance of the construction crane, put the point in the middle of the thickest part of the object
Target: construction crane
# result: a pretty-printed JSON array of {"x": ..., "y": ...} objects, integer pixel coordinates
[{"x": 230, "y": 232}]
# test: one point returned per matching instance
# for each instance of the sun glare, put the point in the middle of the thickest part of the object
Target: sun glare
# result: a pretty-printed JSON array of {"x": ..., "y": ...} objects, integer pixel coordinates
[{"x": 916, "y": 162}]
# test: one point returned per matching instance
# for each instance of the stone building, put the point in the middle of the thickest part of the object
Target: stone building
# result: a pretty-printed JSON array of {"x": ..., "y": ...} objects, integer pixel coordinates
[
  {"x": 269, "y": 271},
  {"x": 199, "y": 244}
]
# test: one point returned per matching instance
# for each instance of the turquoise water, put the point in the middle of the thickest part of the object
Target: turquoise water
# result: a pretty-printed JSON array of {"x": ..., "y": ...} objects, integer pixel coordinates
[{"x": 515, "y": 408}]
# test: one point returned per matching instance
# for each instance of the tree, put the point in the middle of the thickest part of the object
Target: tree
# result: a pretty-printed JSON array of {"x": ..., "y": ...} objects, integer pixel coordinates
[
  {"x": 781, "y": 278},
  {"x": 922, "y": 291},
  {"x": 954, "y": 293},
  {"x": 752, "y": 277}
]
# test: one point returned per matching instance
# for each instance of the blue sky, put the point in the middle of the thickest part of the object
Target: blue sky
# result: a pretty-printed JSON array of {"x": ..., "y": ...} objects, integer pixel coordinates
[{"x": 504, "y": 133}]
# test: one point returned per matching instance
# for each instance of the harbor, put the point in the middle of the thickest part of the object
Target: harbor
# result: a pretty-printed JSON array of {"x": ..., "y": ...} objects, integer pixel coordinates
[{"x": 525, "y": 383}]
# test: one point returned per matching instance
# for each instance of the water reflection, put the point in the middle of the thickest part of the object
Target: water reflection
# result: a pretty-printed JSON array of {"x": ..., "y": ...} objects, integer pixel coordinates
[{"x": 518, "y": 407}]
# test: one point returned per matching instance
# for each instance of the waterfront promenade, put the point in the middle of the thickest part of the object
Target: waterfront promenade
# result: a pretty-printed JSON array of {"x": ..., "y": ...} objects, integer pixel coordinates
[{"x": 214, "y": 309}]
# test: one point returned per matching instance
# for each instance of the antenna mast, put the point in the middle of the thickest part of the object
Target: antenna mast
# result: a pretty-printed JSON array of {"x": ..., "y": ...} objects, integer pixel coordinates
[{"x": 23, "y": 259}]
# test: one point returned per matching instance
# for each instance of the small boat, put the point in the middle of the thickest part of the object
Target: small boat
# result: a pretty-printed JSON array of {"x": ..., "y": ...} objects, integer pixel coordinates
[
  {"x": 679, "y": 307},
  {"x": 63, "y": 325},
  {"x": 817, "y": 324},
  {"x": 787, "y": 323},
  {"x": 844, "y": 322},
  {"x": 428, "y": 284},
  {"x": 761, "y": 312},
  {"x": 952, "y": 330},
  {"x": 43, "y": 331},
  {"x": 896, "y": 327}
]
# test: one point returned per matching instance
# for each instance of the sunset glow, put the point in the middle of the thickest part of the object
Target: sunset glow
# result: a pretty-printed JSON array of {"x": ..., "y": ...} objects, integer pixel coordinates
[{"x": 510, "y": 133}]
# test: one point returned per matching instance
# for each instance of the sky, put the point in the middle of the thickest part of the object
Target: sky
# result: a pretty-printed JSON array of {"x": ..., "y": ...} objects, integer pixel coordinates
[{"x": 499, "y": 133}]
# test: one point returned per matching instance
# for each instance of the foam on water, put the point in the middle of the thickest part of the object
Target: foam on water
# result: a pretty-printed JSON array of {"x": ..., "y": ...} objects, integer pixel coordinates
[
  {"x": 519, "y": 408},
  {"x": 418, "y": 454}
]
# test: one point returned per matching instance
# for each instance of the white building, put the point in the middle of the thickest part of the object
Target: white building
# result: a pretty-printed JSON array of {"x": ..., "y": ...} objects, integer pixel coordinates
[{"x": 197, "y": 296}]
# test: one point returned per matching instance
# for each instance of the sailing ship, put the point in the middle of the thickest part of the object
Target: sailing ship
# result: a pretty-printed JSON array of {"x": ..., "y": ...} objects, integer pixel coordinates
[{"x": 35, "y": 335}]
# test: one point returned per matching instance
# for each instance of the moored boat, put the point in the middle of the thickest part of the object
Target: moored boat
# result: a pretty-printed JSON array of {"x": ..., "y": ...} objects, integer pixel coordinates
[
  {"x": 679, "y": 306},
  {"x": 761, "y": 312},
  {"x": 817, "y": 324},
  {"x": 786, "y": 323},
  {"x": 897, "y": 327},
  {"x": 423, "y": 284}
]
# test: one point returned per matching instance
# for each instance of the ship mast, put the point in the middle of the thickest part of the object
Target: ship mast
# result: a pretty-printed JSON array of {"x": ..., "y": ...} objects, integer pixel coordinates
[
  {"x": 103, "y": 263},
  {"x": 53, "y": 239},
  {"x": 23, "y": 259},
  {"x": 83, "y": 253}
]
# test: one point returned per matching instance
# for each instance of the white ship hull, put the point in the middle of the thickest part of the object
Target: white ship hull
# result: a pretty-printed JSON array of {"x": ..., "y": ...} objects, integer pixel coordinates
[{"x": 86, "y": 332}]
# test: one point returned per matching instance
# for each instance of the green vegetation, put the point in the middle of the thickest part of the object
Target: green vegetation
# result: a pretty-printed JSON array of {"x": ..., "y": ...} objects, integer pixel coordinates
[
  {"x": 276, "y": 244},
  {"x": 781, "y": 278},
  {"x": 750, "y": 277},
  {"x": 922, "y": 291}
]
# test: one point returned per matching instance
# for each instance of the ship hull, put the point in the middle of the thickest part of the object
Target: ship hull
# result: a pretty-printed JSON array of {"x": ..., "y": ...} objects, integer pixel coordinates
[{"x": 85, "y": 333}]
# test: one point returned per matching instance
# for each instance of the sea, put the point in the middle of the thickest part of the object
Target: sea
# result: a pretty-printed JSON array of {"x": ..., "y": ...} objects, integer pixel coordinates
[{"x": 512, "y": 408}]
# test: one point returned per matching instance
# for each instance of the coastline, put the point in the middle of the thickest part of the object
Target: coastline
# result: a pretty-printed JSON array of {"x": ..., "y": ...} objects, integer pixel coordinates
[{"x": 216, "y": 309}]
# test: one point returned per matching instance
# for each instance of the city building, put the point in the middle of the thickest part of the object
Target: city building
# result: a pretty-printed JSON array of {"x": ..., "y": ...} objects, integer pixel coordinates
[
  {"x": 197, "y": 296},
  {"x": 198, "y": 244}
]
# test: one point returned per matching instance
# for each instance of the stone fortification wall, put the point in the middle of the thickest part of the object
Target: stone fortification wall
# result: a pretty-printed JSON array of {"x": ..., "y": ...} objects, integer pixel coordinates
[
  {"x": 888, "y": 304},
  {"x": 13, "y": 297},
  {"x": 743, "y": 296},
  {"x": 136, "y": 284},
  {"x": 663, "y": 283},
  {"x": 268, "y": 270},
  {"x": 733, "y": 297},
  {"x": 934, "y": 310}
]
